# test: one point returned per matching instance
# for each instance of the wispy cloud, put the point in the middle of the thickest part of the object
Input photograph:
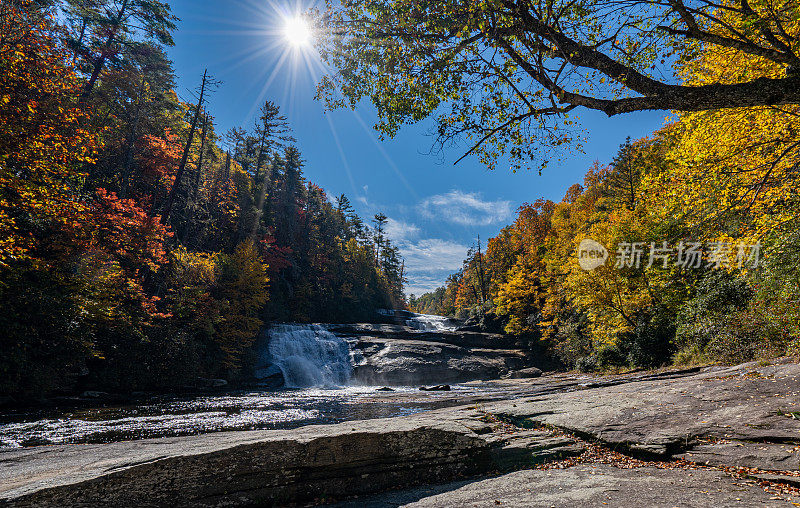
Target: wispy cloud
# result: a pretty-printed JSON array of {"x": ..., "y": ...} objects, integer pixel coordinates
[
  {"x": 419, "y": 284},
  {"x": 433, "y": 254},
  {"x": 465, "y": 208},
  {"x": 401, "y": 232}
]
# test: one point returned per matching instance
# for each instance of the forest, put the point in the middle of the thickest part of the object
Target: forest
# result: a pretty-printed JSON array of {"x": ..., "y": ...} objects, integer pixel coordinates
[{"x": 140, "y": 249}]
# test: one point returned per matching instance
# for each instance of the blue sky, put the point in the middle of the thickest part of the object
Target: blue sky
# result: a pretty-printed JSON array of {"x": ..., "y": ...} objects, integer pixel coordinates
[{"x": 436, "y": 210}]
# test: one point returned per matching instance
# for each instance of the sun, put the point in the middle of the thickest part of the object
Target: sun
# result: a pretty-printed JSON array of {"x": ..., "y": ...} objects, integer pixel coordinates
[{"x": 297, "y": 31}]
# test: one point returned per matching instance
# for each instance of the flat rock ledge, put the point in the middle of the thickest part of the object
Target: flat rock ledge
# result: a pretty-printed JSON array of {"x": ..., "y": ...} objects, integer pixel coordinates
[
  {"x": 581, "y": 486},
  {"x": 465, "y": 456},
  {"x": 739, "y": 416},
  {"x": 273, "y": 467}
]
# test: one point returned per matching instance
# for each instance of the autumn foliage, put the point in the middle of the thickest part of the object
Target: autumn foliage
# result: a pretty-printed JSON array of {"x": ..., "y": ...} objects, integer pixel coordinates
[
  {"x": 97, "y": 289},
  {"x": 43, "y": 140},
  {"x": 723, "y": 177}
]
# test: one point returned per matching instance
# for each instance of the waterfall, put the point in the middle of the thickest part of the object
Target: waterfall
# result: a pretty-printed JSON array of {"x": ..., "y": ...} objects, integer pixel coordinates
[
  {"x": 309, "y": 355},
  {"x": 428, "y": 322}
]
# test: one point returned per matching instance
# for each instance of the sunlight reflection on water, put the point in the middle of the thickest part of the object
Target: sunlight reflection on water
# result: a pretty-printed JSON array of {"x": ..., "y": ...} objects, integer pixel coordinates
[{"x": 163, "y": 416}]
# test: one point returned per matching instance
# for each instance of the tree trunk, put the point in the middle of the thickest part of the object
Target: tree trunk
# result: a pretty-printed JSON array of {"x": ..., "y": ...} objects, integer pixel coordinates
[
  {"x": 101, "y": 58},
  {"x": 182, "y": 167},
  {"x": 198, "y": 179}
]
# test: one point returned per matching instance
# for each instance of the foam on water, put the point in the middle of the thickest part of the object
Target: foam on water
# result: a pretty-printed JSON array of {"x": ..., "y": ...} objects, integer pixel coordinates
[
  {"x": 431, "y": 323},
  {"x": 309, "y": 355}
]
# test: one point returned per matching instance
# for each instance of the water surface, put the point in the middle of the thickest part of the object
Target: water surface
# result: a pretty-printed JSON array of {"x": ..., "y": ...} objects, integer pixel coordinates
[{"x": 179, "y": 416}]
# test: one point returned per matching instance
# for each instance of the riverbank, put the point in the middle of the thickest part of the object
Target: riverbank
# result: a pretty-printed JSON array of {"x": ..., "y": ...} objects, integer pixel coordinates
[
  {"x": 717, "y": 436},
  {"x": 399, "y": 348}
]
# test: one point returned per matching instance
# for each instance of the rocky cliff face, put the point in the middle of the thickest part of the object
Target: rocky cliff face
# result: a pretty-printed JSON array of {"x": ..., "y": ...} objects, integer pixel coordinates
[
  {"x": 390, "y": 354},
  {"x": 401, "y": 355}
]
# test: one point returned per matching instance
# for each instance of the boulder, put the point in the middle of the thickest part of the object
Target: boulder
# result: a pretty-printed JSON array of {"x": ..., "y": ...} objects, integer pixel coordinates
[
  {"x": 396, "y": 362},
  {"x": 252, "y": 468},
  {"x": 530, "y": 372},
  {"x": 208, "y": 384},
  {"x": 435, "y": 388},
  {"x": 721, "y": 416},
  {"x": 269, "y": 376},
  {"x": 471, "y": 339},
  {"x": 91, "y": 394}
]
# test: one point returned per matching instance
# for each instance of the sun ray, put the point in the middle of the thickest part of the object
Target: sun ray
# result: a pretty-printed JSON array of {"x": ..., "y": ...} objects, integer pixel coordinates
[
  {"x": 340, "y": 148},
  {"x": 276, "y": 70},
  {"x": 370, "y": 132}
]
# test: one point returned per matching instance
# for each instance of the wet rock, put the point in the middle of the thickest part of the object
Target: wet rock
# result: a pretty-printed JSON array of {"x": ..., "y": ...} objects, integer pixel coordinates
[
  {"x": 211, "y": 383},
  {"x": 35, "y": 441},
  {"x": 402, "y": 332},
  {"x": 435, "y": 388},
  {"x": 385, "y": 389},
  {"x": 395, "y": 362},
  {"x": 269, "y": 376},
  {"x": 90, "y": 394},
  {"x": 528, "y": 373}
]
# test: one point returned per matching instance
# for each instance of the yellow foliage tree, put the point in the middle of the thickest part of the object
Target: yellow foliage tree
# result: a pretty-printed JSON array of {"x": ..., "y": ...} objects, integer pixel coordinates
[{"x": 242, "y": 291}]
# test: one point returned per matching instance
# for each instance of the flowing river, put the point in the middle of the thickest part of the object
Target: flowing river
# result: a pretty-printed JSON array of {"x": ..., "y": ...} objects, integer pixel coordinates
[
  {"x": 250, "y": 410},
  {"x": 316, "y": 365}
]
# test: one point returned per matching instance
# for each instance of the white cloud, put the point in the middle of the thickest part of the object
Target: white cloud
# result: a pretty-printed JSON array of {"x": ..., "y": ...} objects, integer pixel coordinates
[
  {"x": 419, "y": 284},
  {"x": 433, "y": 254},
  {"x": 401, "y": 232},
  {"x": 465, "y": 208}
]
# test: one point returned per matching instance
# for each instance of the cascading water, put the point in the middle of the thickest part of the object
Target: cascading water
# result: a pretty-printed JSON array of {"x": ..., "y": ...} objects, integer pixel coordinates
[
  {"x": 309, "y": 355},
  {"x": 432, "y": 323}
]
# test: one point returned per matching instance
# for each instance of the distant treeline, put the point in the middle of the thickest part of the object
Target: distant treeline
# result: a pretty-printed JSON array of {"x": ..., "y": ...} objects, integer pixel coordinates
[
  {"x": 135, "y": 251},
  {"x": 719, "y": 183}
]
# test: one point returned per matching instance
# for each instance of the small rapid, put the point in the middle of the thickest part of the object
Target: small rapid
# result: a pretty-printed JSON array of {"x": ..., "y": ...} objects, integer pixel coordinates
[{"x": 431, "y": 323}]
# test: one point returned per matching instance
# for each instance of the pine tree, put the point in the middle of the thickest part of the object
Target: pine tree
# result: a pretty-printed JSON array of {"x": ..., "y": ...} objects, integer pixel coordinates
[{"x": 114, "y": 28}]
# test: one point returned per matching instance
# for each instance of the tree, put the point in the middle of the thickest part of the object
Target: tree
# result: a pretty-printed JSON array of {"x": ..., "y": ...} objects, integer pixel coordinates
[
  {"x": 508, "y": 75},
  {"x": 113, "y": 26},
  {"x": 273, "y": 132},
  {"x": 380, "y": 220},
  {"x": 182, "y": 166},
  {"x": 352, "y": 224},
  {"x": 242, "y": 291},
  {"x": 43, "y": 138}
]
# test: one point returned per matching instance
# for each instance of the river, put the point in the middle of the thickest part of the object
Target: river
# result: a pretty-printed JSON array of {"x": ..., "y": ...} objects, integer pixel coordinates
[
  {"x": 316, "y": 365},
  {"x": 247, "y": 410}
]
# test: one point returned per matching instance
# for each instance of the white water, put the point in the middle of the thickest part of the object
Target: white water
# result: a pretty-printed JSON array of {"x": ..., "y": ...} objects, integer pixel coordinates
[
  {"x": 310, "y": 355},
  {"x": 431, "y": 323}
]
